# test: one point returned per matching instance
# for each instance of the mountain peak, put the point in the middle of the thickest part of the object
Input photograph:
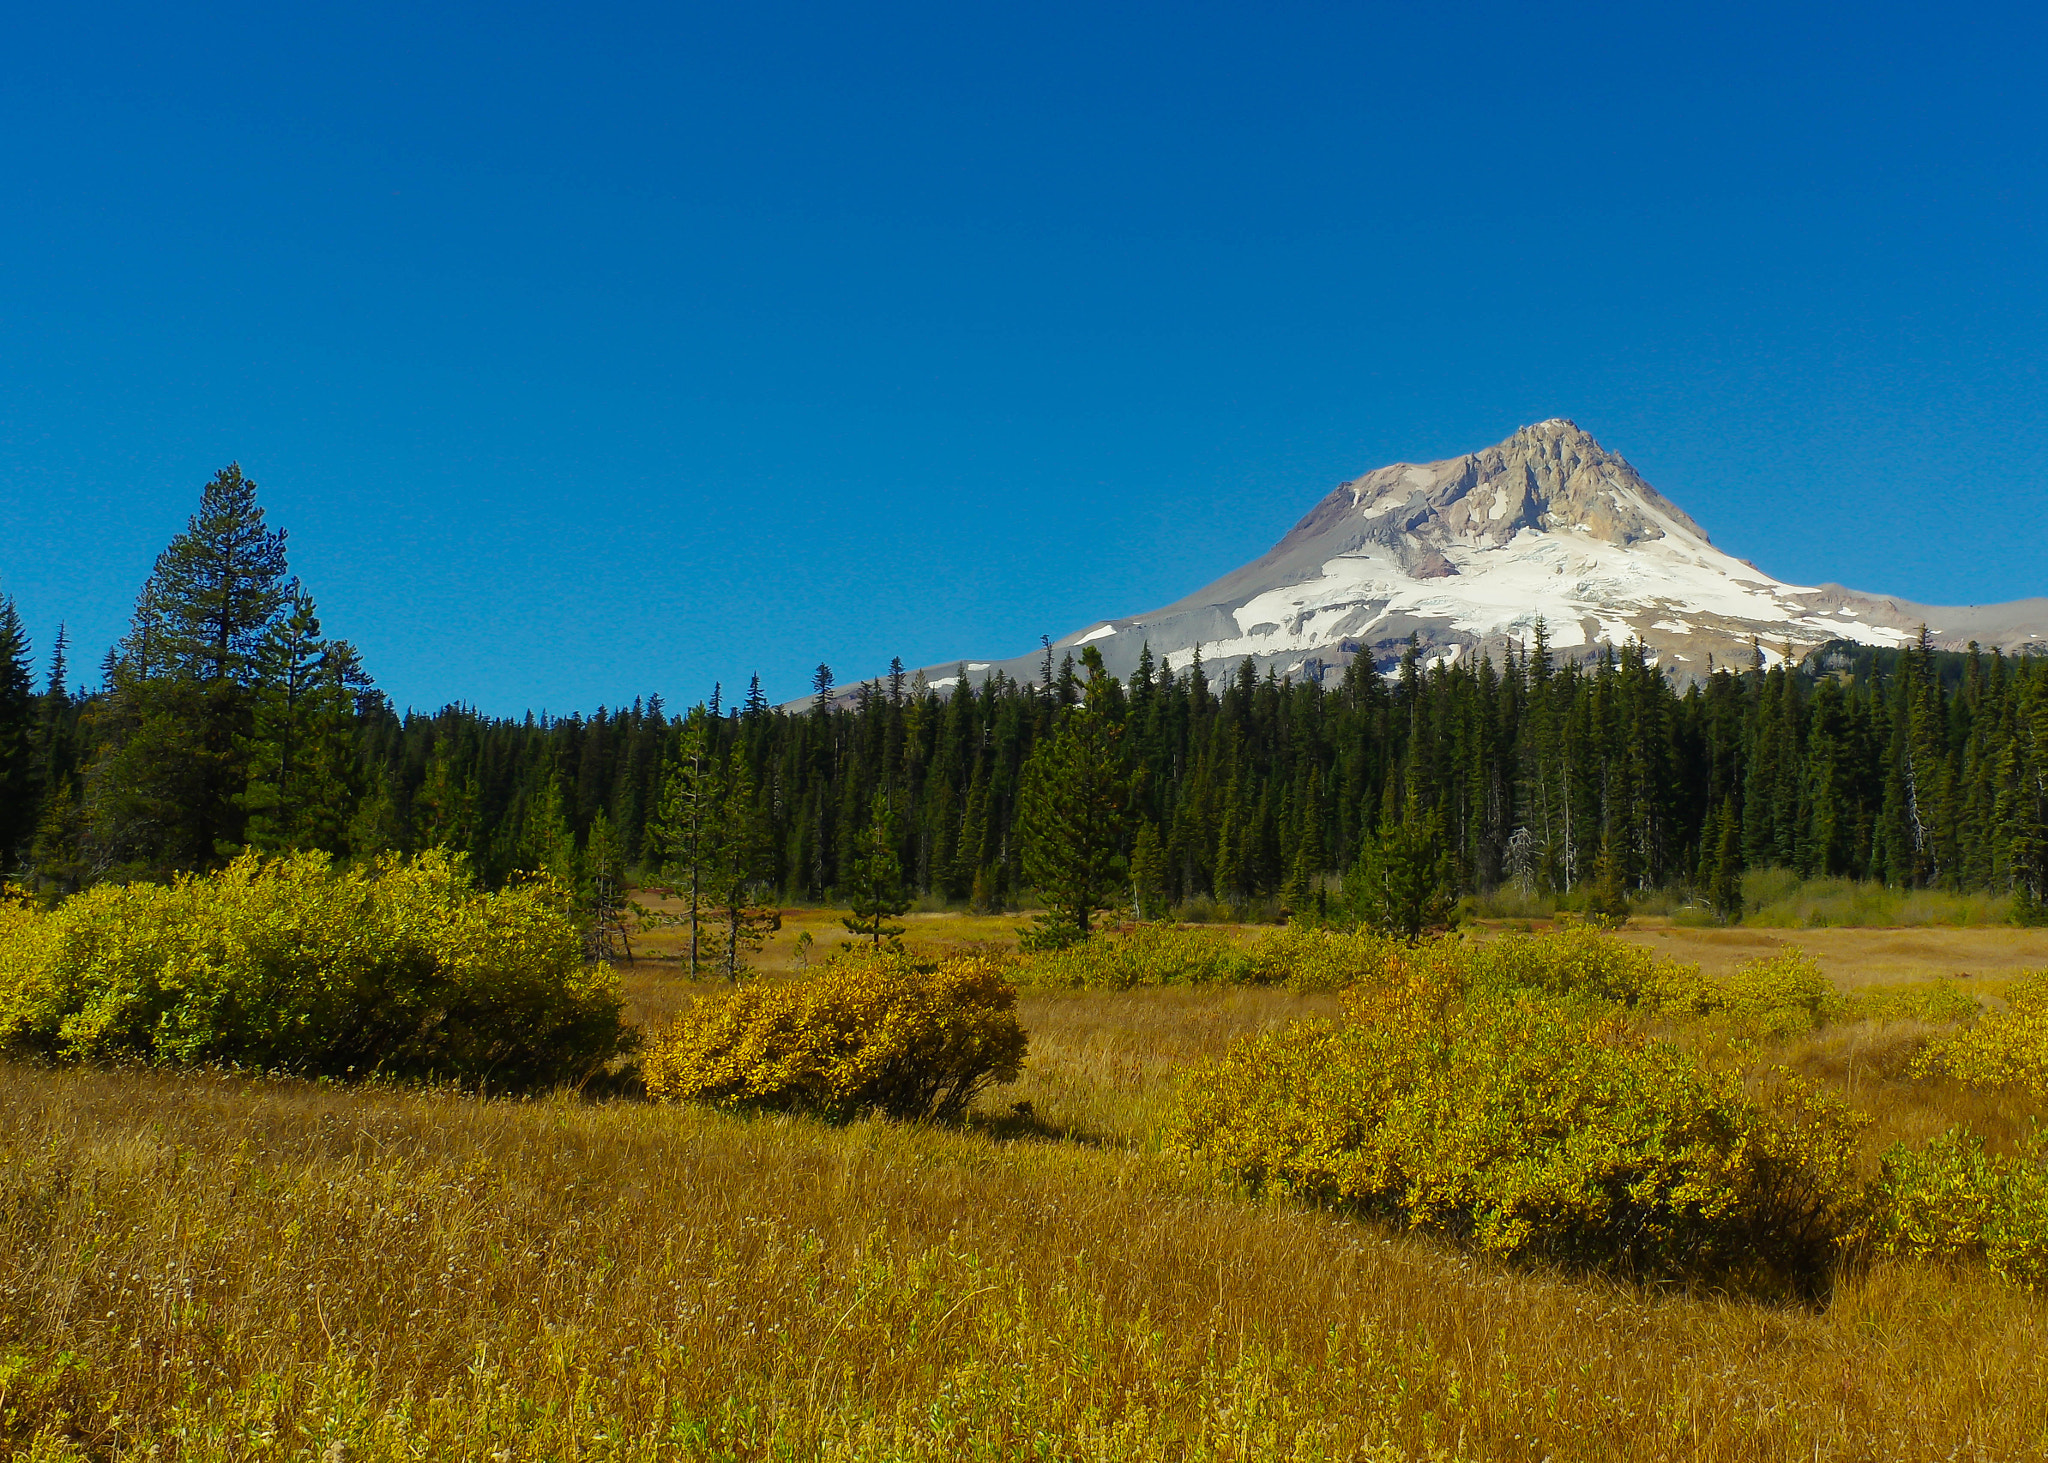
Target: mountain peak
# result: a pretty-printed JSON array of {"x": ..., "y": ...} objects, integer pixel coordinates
[
  {"x": 1467, "y": 556},
  {"x": 1548, "y": 477}
]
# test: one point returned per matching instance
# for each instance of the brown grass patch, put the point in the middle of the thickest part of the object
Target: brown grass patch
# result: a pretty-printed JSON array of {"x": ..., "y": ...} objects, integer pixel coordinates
[{"x": 1856, "y": 957}]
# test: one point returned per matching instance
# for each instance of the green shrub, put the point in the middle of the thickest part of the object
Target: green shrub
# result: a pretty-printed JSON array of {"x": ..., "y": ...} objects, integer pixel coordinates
[
  {"x": 1048, "y": 934},
  {"x": 2007, "y": 1049},
  {"x": 1953, "y": 1201},
  {"x": 872, "y": 1032},
  {"x": 1306, "y": 959},
  {"x": 1148, "y": 955},
  {"x": 1295, "y": 956},
  {"x": 1532, "y": 1127},
  {"x": 404, "y": 969}
]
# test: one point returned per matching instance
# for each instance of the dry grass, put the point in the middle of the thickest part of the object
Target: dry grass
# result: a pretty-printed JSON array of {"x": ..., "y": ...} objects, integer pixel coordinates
[
  {"x": 203, "y": 1267},
  {"x": 1860, "y": 957}
]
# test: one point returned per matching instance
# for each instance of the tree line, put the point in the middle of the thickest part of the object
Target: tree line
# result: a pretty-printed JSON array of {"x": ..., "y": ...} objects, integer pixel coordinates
[{"x": 227, "y": 719}]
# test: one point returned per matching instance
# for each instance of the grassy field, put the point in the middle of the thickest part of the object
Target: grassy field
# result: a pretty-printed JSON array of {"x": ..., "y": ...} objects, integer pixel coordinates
[{"x": 210, "y": 1267}]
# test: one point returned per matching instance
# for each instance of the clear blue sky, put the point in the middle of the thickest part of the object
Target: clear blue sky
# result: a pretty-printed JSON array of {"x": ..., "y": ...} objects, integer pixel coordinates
[{"x": 595, "y": 350}]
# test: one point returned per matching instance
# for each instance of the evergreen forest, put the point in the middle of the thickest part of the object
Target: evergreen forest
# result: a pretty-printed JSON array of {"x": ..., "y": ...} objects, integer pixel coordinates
[{"x": 228, "y": 719}]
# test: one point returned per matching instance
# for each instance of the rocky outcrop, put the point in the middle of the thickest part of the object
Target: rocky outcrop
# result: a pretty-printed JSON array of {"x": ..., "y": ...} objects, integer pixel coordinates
[{"x": 1549, "y": 476}]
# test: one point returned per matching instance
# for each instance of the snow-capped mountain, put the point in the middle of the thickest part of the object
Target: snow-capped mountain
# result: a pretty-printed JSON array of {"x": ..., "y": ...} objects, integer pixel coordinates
[{"x": 1468, "y": 554}]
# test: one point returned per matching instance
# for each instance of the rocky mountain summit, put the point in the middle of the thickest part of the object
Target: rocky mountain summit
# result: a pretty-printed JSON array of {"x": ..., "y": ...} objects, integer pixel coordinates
[{"x": 1468, "y": 554}]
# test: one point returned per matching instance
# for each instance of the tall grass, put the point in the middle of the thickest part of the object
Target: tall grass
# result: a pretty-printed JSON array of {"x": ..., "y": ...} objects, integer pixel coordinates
[
  {"x": 199, "y": 1267},
  {"x": 1772, "y": 899},
  {"x": 1780, "y": 899}
]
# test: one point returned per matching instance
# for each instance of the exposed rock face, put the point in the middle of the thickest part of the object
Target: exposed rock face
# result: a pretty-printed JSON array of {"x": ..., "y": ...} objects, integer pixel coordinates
[
  {"x": 1467, "y": 555},
  {"x": 1548, "y": 476}
]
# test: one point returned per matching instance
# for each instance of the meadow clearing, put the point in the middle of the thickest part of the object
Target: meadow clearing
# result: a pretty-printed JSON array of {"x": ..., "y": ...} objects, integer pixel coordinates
[{"x": 205, "y": 1266}]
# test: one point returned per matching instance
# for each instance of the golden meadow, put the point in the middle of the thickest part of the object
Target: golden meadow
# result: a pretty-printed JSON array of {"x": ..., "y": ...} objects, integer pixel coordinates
[{"x": 1246, "y": 1193}]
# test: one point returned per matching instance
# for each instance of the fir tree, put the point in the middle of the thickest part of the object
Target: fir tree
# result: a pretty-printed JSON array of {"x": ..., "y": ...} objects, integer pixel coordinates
[
  {"x": 445, "y": 807},
  {"x": 547, "y": 845},
  {"x": 302, "y": 703},
  {"x": 1406, "y": 879},
  {"x": 1148, "y": 874},
  {"x": 1722, "y": 873},
  {"x": 18, "y": 739},
  {"x": 607, "y": 909},
  {"x": 741, "y": 860},
  {"x": 221, "y": 584},
  {"x": 681, "y": 835},
  {"x": 167, "y": 790},
  {"x": 1607, "y": 901},
  {"x": 374, "y": 828},
  {"x": 1073, "y": 811},
  {"x": 875, "y": 889}
]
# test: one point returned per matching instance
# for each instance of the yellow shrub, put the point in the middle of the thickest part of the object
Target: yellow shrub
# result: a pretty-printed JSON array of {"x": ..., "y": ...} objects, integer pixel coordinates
[
  {"x": 1518, "y": 1122},
  {"x": 2008, "y": 1049},
  {"x": 1944, "y": 1001},
  {"x": 405, "y": 969},
  {"x": 1148, "y": 955},
  {"x": 1305, "y": 959},
  {"x": 1584, "y": 961},
  {"x": 1951, "y": 1200},
  {"x": 1294, "y": 956},
  {"x": 1780, "y": 993},
  {"x": 873, "y": 1033}
]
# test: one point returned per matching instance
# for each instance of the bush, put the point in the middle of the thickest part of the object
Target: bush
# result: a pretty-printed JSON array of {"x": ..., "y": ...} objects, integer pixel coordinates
[
  {"x": 1049, "y": 933},
  {"x": 1778, "y": 993},
  {"x": 1939, "y": 1003},
  {"x": 1584, "y": 961},
  {"x": 404, "y": 969},
  {"x": 1147, "y": 955},
  {"x": 1953, "y": 1201},
  {"x": 1306, "y": 959},
  {"x": 2009, "y": 1049},
  {"x": 1532, "y": 1127},
  {"x": 1295, "y": 956},
  {"x": 872, "y": 1032}
]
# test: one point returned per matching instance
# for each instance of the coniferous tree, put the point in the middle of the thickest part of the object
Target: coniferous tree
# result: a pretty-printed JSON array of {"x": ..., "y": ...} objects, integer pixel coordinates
[
  {"x": 1073, "y": 811},
  {"x": 445, "y": 806},
  {"x": 222, "y": 584},
  {"x": 608, "y": 909},
  {"x": 303, "y": 703},
  {"x": 682, "y": 832},
  {"x": 1914, "y": 766},
  {"x": 1722, "y": 871},
  {"x": 875, "y": 888},
  {"x": 741, "y": 860},
  {"x": 1148, "y": 874},
  {"x": 1607, "y": 901},
  {"x": 167, "y": 789},
  {"x": 374, "y": 827},
  {"x": 1406, "y": 878},
  {"x": 548, "y": 845},
  {"x": 18, "y": 740}
]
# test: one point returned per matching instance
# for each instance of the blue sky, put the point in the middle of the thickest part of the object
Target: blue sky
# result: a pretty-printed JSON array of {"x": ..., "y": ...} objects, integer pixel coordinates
[{"x": 597, "y": 350}]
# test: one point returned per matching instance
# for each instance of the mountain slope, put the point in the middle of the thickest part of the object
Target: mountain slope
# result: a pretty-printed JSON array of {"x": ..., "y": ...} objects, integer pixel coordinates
[{"x": 1469, "y": 553}]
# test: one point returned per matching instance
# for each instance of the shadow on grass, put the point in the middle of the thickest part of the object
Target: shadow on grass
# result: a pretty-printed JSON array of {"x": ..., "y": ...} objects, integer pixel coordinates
[{"x": 1020, "y": 1123}]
